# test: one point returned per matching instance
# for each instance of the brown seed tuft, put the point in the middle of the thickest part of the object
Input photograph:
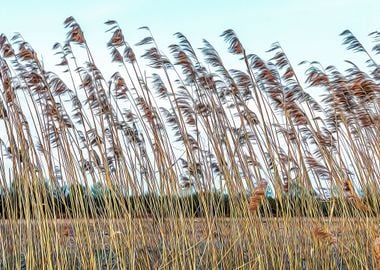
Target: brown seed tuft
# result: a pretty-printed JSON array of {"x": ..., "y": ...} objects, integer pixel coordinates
[
  {"x": 257, "y": 196},
  {"x": 324, "y": 235},
  {"x": 376, "y": 249}
]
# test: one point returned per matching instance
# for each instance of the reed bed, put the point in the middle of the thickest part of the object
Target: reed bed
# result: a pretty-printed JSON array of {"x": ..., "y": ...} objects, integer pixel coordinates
[{"x": 178, "y": 162}]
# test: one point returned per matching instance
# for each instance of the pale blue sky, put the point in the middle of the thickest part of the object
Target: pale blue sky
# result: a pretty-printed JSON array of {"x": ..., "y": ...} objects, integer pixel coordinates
[{"x": 308, "y": 30}]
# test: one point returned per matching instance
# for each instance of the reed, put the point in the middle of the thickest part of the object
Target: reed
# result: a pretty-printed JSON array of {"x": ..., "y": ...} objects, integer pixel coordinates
[{"x": 178, "y": 162}]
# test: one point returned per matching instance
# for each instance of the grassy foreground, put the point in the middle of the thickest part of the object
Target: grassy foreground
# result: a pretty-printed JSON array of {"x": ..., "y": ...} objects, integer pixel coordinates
[
  {"x": 194, "y": 243},
  {"x": 178, "y": 162}
]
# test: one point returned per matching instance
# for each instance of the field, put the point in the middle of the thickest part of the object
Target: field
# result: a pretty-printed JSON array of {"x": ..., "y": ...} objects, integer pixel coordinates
[
  {"x": 177, "y": 161},
  {"x": 294, "y": 243}
]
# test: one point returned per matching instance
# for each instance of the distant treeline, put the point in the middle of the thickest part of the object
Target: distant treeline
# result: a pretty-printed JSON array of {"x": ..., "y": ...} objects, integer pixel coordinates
[{"x": 98, "y": 202}]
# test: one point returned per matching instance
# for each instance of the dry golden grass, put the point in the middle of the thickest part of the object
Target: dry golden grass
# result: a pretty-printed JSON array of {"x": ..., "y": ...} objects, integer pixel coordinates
[
  {"x": 290, "y": 244},
  {"x": 178, "y": 136}
]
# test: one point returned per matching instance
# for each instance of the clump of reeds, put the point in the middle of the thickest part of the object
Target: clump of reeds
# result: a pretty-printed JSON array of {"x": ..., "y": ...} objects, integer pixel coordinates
[{"x": 150, "y": 166}]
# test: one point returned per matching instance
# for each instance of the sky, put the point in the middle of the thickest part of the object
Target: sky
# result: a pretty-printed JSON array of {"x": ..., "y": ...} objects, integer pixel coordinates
[{"x": 307, "y": 30}]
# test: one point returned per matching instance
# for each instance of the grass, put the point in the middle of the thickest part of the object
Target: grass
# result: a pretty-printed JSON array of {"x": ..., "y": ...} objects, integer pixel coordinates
[
  {"x": 178, "y": 162},
  {"x": 190, "y": 243}
]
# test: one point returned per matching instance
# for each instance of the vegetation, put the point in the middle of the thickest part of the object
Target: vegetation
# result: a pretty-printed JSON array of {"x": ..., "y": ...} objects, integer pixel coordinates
[{"x": 177, "y": 162}]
